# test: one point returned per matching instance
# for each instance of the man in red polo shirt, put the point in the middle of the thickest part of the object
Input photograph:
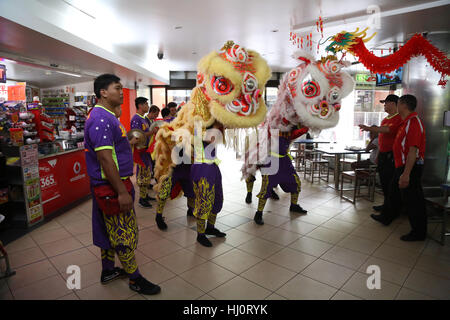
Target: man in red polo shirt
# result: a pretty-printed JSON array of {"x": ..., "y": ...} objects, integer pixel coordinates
[
  {"x": 409, "y": 153},
  {"x": 387, "y": 132}
]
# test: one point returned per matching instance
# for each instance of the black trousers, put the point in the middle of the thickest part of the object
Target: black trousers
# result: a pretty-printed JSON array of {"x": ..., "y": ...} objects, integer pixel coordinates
[
  {"x": 410, "y": 198},
  {"x": 386, "y": 169}
]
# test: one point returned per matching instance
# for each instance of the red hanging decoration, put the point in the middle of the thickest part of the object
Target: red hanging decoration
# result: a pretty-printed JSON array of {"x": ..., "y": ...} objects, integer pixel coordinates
[
  {"x": 417, "y": 45},
  {"x": 301, "y": 41}
]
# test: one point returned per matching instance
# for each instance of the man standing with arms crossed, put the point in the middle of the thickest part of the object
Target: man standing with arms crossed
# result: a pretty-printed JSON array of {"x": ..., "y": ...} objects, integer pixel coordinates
[
  {"x": 109, "y": 164},
  {"x": 386, "y": 135}
]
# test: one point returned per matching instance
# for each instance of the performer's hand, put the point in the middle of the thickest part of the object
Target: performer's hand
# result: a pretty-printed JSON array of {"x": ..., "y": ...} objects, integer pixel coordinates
[
  {"x": 403, "y": 182},
  {"x": 125, "y": 202},
  {"x": 363, "y": 127}
]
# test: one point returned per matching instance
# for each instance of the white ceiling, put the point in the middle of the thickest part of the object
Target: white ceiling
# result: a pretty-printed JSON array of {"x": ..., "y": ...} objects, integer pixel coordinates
[{"x": 131, "y": 32}]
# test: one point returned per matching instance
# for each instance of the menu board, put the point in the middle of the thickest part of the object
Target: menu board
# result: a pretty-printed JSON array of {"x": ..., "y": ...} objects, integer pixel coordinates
[{"x": 30, "y": 171}]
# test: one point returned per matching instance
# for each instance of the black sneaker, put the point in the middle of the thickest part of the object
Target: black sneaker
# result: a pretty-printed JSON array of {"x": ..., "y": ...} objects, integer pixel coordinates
[
  {"x": 274, "y": 196},
  {"x": 144, "y": 203},
  {"x": 378, "y": 208},
  {"x": 190, "y": 212},
  {"x": 150, "y": 198},
  {"x": 203, "y": 240},
  {"x": 258, "y": 218},
  {"x": 380, "y": 218},
  {"x": 110, "y": 275},
  {"x": 212, "y": 231},
  {"x": 143, "y": 286},
  {"x": 248, "y": 198},
  {"x": 296, "y": 208},
  {"x": 160, "y": 222},
  {"x": 412, "y": 237}
]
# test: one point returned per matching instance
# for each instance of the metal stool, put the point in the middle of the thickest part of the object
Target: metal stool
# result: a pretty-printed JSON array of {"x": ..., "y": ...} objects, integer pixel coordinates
[
  {"x": 443, "y": 204},
  {"x": 357, "y": 176},
  {"x": 316, "y": 165},
  {"x": 8, "y": 273}
]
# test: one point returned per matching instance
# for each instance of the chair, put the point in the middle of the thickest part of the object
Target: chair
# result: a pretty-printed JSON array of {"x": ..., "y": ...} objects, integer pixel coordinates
[
  {"x": 443, "y": 205},
  {"x": 8, "y": 273},
  {"x": 316, "y": 165},
  {"x": 356, "y": 177}
]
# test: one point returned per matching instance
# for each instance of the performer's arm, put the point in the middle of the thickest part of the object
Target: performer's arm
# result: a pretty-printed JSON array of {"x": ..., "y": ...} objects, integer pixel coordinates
[
  {"x": 383, "y": 129},
  {"x": 112, "y": 175}
]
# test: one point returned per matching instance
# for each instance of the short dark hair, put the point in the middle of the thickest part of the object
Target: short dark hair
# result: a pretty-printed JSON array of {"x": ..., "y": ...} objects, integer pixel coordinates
[
  {"x": 153, "y": 108},
  {"x": 139, "y": 100},
  {"x": 165, "y": 112},
  {"x": 103, "y": 81},
  {"x": 409, "y": 100},
  {"x": 171, "y": 105}
]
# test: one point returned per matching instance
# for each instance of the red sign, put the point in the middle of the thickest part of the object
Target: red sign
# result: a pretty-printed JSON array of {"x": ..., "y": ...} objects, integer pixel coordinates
[
  {"x": 63, "y": 179},
  {"x": 17, "y": 93}
]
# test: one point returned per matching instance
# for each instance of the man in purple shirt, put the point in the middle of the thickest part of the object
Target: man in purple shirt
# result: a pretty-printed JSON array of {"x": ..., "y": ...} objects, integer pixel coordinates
[
  {"x": 144, "y": 164},
  {"x": 109, "y": 163}
]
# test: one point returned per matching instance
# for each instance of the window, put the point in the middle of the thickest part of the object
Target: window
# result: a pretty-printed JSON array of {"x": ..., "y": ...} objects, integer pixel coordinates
[
  {"x": 271, "y": 96},
  {"x": 178, "y": 96}
]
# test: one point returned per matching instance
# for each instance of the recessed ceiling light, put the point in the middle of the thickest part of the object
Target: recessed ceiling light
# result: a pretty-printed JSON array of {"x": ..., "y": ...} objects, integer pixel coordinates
[
  {"x": 178, "y": 27},
  {"x": 275, "y": 30},
  {"x": 48, "y": 73}
]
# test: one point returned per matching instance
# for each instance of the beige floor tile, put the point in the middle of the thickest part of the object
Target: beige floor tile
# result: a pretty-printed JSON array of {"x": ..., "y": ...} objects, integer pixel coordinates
[
  {"x": 436, "y": 250},
  {"x": 137, "y": 297},
  {"x": 275, "y": 296},
  {"x": 239, "y": 289},
  {"x": 233, "y": 220},
  {"x": 339, "y": 225},
  {"x": 439, "y": 267},
  {"x": 237, "y": 237},
  {"x": 211, "y": 252},
  {"x": 177, "y": 289},
  {"x": 47, "y": 289},
  {"x": 328, "y": 273},
  {"x": 396, "y": 255},
  {"x": 415, "y": 246},
  {"x": 175, "y": 213},
  {"x": 186, "y": 221},
  {"x": 312, "y": 218},
  {"x": 24, "y": 257},
  {"x": 85, "y": 238},
  {"x": 407, "y": 294},
  {"x": 352, "y": 217},
  {"x": 184, "y": 238},
  {"x": 292, "y": 259},
  {"x": 146, "y": 236},
  {"x": 207, "y": 276},
  {"x": 5, "y": 293},
  {"x": 390, "y": 271},
  {"x": 70, "y": 216},
  {"x": 51, "y": 236},
  {"x": 280, "y": 236},
  {"x": 52, "y": 249},
  {"x": 79, "y": 227},
  {"x": 274, "y": 220},
  {"x": 260, "y": 248},
  {"x": 146, "y": 221},
  {"x": 206, "y": 297},
  {"x": 156, "y": 273},
  {"x": 341, "y": 295},
  {"x": 371, "y": 233},
  {"x": 47, "y": 226},
  {"x": 428, "y": 284},
  {"x": 357, "y": 286},
  {"x": 70, "y": 296},
  {"x": 31, "y": 273},
  {"x": 115, "y": 290},
  {"x": 181, "y": 261},
  {"x": 172, "y": 227},
  {"x": 345, "y": 257},
  {"x": 90, "y": 274},
  {"x": 254, "y": 229},
  {"x": 326, "y": 235},
  {"x": 359, "y": 244},
  {"x": 304, "y": 288},
  {"x": 159, "y": 248},
  {"x": 236, "y": 261},
  {"x": 77, "y": 257},
  {"x": 25, "y": 242},
  {"x": 86, "y": 206},
  {"x": 297, "y": 226},
  {"x": 311, "y": 246},
  {"x": 268, "y": 275}
]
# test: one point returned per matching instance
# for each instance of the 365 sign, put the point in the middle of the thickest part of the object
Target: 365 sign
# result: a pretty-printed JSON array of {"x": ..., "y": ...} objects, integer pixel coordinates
[{"x": 2, "y": 73}]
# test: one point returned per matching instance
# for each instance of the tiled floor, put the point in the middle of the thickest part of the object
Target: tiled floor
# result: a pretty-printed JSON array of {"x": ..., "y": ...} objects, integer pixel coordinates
[{"x": 321, "y": 255}]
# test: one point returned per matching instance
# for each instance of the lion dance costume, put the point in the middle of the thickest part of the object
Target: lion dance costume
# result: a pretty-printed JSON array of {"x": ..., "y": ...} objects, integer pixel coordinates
[
  {"x": 228, "y": 95},
  {"x": 308, "y": 99}
]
